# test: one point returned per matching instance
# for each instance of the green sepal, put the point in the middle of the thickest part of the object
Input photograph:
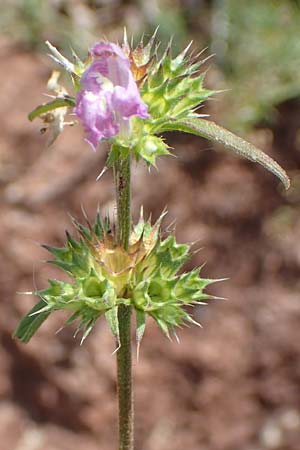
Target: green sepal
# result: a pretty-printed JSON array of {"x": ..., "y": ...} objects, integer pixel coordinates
[
  {"x": 162, "y": 325},
  {"x": 140, "y": 296},
  {"x": 113, "y": 155},
  {"x": 174, "y": 86},
  {"x": 32, "y": 322},
  {"x": 88, "y": 318},
  {"x": 117, "y": 152},
  {"x": 73, "y": 258},
  {"x": 87, "y": 325},
  {"x": 161, "y": 289},
  {"x": 113, "y": 323},
  {"x": 101, "y": 228},
  {"x": 47, "y": 107},
  {"x": 171, "y": 256},
  {"x": 59, "y": 294},
  {"x": 149, "y": 148},
  {"x": 184, "y": 108},
  {"x": 213, "y": 132},
  {"x": 72, "y": 318},
  {"x": 140, "y": 328}
]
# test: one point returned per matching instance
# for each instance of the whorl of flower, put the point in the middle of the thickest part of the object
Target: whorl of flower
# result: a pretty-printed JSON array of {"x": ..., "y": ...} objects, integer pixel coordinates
[
  {"x": 108, "y": 95},
  {"x": 130, "y": 96},
  {"x": 104, "y": 276}
]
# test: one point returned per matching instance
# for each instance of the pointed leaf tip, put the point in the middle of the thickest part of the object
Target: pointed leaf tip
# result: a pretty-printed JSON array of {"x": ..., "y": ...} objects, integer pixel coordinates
[
  {"x": 214, "y": 132},
  {"x": 31, "y": 322}
]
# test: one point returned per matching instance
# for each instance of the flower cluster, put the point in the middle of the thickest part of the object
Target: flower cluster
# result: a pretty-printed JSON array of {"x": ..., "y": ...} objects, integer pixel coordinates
[
  {"x": 105, "y": 276},
  {"x": 131, "y": 96}
]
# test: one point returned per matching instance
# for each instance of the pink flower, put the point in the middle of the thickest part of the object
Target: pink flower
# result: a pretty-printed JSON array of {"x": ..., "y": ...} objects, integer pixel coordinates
[{"x": 109, "y": 95}]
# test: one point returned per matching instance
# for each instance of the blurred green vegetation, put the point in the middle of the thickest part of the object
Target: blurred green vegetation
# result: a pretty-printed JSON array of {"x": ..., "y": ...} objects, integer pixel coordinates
[
  {"x": 77, "y": 23},
  {"x": 257, "y": 47},
  {"x": 30, "y": 22},
  {"x": 257, "y": 43}
]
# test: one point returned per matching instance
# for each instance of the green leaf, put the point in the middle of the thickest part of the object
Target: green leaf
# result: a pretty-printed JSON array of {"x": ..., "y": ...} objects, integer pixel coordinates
[
  {"x": 46, "y": 107},
  {"x": 31, "y": 322},
  {"x": 213, "y": 132}
]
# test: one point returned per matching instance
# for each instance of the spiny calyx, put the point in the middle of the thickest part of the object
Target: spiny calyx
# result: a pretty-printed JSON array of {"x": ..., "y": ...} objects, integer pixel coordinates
[{"x": 104, "y": 276}]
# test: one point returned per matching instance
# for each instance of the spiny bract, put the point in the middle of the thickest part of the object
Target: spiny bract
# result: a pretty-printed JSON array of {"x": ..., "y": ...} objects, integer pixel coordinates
[{"x": 103, "y": 276}]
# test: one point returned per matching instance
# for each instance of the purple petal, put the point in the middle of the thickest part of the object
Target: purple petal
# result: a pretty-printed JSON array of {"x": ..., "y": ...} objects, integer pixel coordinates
[
  {"x": 97, "y": 116},
  {"x": 109, "y": 95},
  {"x": 104, "y": 49},
  {"x": 128, "y": 104},
  {"x": 92, "y": 79}
]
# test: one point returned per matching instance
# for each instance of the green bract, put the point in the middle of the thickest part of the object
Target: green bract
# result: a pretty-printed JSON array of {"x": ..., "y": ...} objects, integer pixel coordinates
[{"x": 103, "y": 276}]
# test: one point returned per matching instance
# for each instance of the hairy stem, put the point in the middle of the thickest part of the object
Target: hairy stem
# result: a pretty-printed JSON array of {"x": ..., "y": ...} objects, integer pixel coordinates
[{"x": 122, "y": 170}]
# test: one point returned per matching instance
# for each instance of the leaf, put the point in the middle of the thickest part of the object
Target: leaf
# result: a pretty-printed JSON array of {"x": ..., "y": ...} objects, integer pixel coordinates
[
  {"x": 140, "y": 329},
  {"x": 31, "y": 322},
  {"x": 213, "y": 132},
  {"x": 46, "y": 107}
]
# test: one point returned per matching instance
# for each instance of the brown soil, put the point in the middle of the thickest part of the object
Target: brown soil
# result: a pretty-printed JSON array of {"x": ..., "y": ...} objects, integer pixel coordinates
[{"x": 233, "y": 385}]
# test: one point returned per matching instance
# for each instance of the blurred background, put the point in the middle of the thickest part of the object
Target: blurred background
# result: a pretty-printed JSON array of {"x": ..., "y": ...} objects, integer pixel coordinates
[{"x": 233, "y": 385}]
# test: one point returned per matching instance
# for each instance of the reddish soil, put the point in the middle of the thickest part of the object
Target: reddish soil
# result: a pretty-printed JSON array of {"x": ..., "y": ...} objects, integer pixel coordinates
[{"x": 233, "y": 385}]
